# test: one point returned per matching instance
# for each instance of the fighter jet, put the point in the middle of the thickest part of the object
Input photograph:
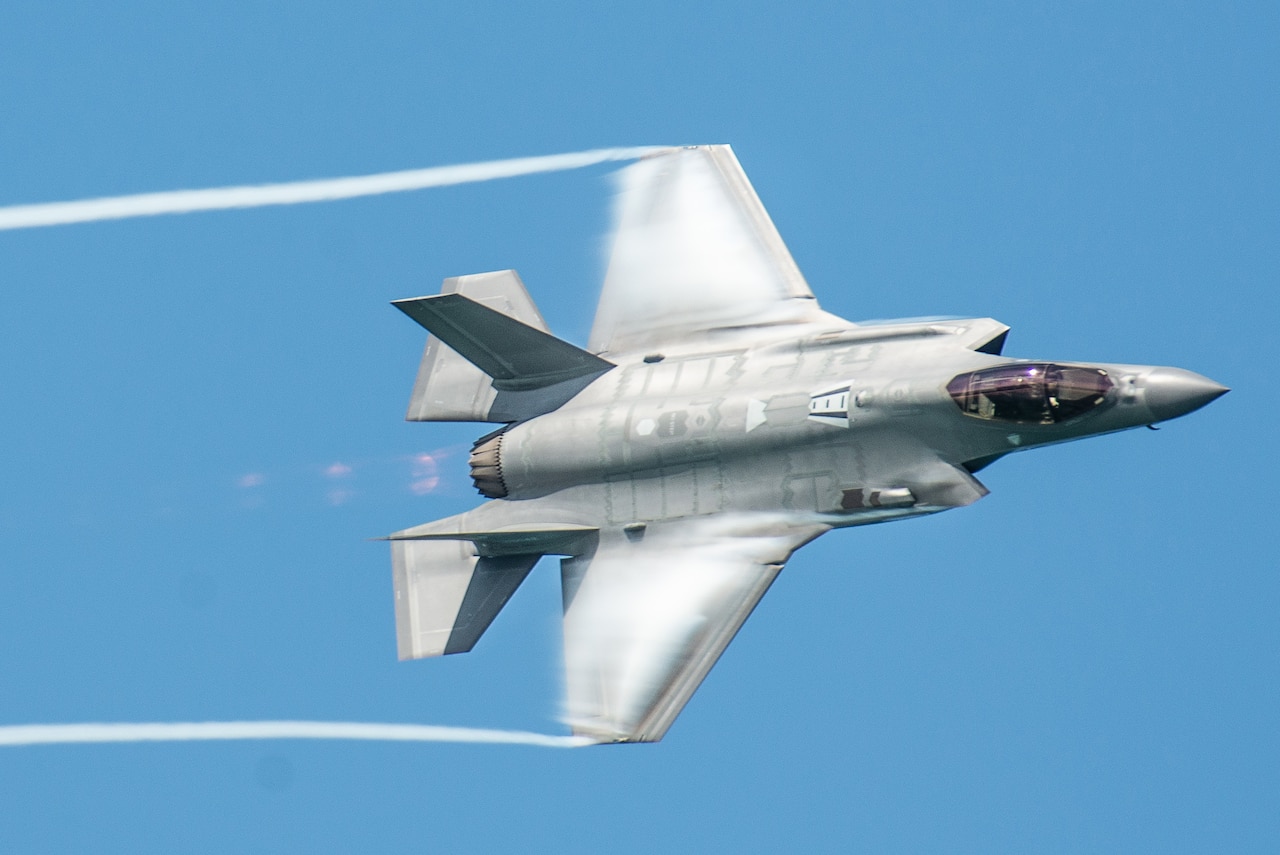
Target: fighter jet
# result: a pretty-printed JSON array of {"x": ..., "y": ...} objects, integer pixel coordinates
[{"x": 717, "y": 421}]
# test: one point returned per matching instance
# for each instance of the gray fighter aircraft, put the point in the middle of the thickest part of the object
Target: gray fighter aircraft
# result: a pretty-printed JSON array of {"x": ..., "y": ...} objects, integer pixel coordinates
[{"x": 717, "y": 421}]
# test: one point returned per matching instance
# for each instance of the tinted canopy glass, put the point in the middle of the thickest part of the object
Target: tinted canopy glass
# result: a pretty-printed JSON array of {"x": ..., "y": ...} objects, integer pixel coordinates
[{"x": 1030, "y": 392}]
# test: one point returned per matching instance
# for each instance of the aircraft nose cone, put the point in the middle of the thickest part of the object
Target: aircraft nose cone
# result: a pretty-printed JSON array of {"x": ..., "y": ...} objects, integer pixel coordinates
[{"x": 1173, "y": 392}]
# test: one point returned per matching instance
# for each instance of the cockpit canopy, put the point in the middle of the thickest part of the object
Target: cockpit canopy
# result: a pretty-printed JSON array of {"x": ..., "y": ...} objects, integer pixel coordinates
[{"x": 1030, "y": 392}]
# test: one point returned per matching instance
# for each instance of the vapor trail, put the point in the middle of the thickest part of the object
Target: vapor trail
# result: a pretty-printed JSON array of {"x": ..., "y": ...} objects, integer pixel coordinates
[
  {"x": 295, "y": 192},
  {"x": 61, "y": 734}
]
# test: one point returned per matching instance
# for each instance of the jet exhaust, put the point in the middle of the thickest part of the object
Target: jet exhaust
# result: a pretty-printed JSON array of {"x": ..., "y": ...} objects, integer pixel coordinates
[
  {"x": 297, "y": 192},
  {"x": 486, "y": 467}
]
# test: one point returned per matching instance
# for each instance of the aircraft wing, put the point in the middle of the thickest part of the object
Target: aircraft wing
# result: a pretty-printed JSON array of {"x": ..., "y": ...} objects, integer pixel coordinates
[
  {"x": 648, "y": 614},
  {"x": 693, "y": 250}
]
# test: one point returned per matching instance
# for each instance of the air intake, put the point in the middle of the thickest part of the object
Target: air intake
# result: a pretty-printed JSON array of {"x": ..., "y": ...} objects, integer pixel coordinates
[{"x": 486, "y": 467}]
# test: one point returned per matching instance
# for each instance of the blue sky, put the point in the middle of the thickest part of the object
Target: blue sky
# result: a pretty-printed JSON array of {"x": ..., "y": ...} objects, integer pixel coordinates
[{"x": 1086, "y": 660}]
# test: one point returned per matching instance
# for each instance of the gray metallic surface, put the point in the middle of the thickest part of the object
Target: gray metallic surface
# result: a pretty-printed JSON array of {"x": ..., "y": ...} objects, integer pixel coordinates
[
  {"x": 1173, "y": 392},
  {"x": 452, "y": 388},
  {"x": 517, "y": 356},
  {"x": 493, "y": 582},
  {"x": 733, "y": 422}
]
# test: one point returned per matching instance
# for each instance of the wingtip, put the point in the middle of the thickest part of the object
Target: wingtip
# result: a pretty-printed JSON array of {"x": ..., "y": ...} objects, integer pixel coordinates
[{"x": 659, "y": 151}]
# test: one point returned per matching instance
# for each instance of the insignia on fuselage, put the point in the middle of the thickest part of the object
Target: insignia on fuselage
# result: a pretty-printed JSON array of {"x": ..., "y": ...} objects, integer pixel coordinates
[{"x": 831, "y": 406}]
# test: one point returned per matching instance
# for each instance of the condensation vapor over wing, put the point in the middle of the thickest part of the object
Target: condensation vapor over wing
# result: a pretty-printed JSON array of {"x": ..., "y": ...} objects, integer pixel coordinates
[
  {"x": 296, "y": 192},
  {"x": 693, "y": 249},
  {"x": 645, "y": 621}
]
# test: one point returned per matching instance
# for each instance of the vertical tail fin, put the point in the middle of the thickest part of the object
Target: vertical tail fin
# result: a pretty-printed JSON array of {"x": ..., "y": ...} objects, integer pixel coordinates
[
  {"x": 451, "y": 584},
  {"x": 446, "y": 596},
  {"x": 490, "y": 357}
]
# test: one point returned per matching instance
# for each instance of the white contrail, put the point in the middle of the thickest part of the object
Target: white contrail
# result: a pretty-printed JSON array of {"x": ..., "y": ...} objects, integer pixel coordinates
[
  {"x": 292, "y": 193},
  {"x": 61, "y": 734}
]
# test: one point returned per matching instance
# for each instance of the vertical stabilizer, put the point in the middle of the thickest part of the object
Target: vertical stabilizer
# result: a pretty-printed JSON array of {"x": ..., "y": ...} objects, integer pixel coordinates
[
  {"x": 449, "y": 388},
  {"x": 490, "y": 357},
  {"x": 446, "y": 596}
]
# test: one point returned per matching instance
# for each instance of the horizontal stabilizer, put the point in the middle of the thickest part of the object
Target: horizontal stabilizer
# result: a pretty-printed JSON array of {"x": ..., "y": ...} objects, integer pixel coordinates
[
  {"x": 518, "y": 357},
  {"x": 540, "y": 540},
  {"x": 452, "y": 388},
  {"x": 446, "y": 596}
]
